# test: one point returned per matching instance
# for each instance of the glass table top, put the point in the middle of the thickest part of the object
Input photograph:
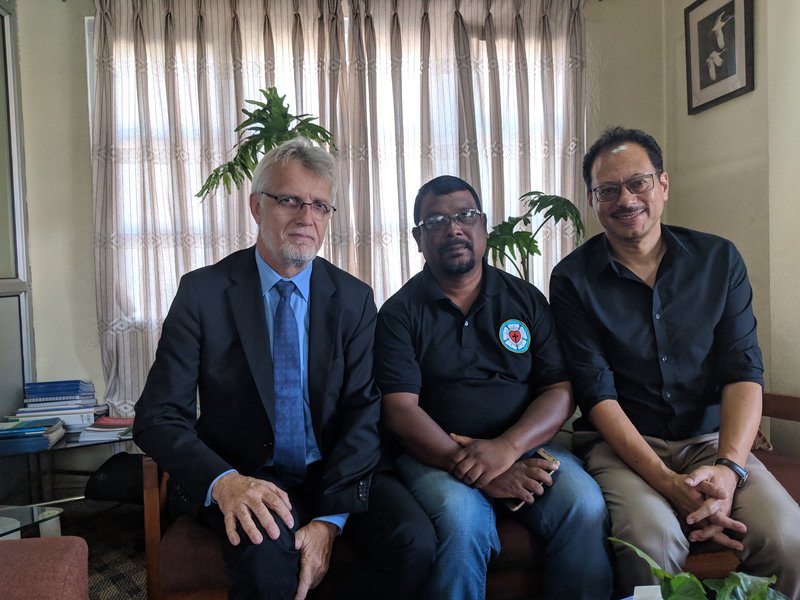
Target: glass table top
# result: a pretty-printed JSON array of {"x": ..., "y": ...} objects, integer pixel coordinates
[{"x": 14, "y": 518}]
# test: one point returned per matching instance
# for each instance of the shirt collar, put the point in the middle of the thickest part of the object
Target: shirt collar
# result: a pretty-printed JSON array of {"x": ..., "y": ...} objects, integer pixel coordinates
[
  {"x": 491, "y": 283},
  {"x": 604, "y": 259},
  {"x": 269, "y": 277}
]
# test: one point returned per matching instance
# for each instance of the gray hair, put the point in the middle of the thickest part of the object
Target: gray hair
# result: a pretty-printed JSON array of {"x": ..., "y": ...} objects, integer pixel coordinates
[{"x": 314, "y": 158}]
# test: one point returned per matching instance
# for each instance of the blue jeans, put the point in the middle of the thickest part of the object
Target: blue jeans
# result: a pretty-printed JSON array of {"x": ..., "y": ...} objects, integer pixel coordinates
[{"x": 570, "y": 516}]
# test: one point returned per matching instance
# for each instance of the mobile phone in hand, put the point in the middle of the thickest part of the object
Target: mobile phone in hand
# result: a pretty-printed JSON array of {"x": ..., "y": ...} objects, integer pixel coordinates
[{"x": 515, "y": 505}]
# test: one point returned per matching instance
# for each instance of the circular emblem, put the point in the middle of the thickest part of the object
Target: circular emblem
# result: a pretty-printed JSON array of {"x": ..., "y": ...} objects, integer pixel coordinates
[{"x": 515, "y": 336}]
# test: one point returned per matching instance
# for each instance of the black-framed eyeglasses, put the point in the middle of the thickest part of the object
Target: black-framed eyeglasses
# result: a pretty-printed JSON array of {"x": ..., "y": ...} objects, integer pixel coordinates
[
  {"x": 321, "y": 210},
  {"x": 635, "y": 185},
  {"x": 466, "y": 217}
]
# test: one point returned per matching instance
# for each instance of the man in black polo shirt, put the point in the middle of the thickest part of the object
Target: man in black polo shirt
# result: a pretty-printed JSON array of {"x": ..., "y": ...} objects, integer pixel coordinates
[
  {"x": 473, "y": 383},
  {"x": 660, "y": 340}
]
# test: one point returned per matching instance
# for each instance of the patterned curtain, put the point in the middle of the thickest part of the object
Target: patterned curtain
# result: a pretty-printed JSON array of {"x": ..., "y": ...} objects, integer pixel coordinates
[{"x": 490, "y": 90}]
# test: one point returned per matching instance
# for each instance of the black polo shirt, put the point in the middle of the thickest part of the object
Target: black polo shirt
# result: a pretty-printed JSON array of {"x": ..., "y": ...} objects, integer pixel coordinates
[
  {"x": 476, "y": 374},
  {"x": 664, "y": 353}
]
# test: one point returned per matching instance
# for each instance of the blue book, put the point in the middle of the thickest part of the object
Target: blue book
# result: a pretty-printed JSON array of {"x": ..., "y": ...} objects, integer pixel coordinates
[
  {"x": 23, "y": 445},
  {"x": 67, "y": 387},
  {"x": 28, "y": 427}
]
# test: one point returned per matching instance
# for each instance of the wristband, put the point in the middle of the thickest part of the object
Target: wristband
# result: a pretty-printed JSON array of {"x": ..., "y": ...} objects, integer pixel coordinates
[{"x": 740, "y": 471}]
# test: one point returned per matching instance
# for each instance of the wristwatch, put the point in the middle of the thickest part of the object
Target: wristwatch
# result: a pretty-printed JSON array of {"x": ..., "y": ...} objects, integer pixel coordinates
[{"x": 740, "y": 471}]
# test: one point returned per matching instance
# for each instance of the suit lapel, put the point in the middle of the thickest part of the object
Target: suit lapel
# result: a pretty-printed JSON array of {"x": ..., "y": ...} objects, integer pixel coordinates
[
  {"x": 247, "y": 308},
  {"x": 322, "y": 326}
]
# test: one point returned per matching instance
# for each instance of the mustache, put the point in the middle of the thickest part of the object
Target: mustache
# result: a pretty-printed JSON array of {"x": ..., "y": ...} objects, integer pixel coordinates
[
  {"x": 626, "y": 211},
  {"x": 455, "y": 244}
]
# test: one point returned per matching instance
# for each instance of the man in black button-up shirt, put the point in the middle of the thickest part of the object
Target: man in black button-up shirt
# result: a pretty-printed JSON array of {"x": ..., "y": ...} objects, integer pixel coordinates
[{"x": 660, "y": 340}]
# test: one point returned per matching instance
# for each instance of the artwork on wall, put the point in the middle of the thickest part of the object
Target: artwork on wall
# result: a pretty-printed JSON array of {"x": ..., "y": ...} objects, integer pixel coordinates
[{"x": 719, "y": 51}]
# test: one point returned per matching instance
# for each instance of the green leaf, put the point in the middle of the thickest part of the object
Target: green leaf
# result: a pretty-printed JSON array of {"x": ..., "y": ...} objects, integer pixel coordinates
[
  {"x": 511, "y": 239},
  {"x": 268, "y": 123},
  {"x": 741, "y": 586}
]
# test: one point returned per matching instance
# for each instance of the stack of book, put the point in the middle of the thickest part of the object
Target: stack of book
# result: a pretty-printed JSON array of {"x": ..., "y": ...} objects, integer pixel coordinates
[
  {"x": 72, "y": 400},
  {"x": 108, "y": 429},
  {"x": 33, "y": 435}
]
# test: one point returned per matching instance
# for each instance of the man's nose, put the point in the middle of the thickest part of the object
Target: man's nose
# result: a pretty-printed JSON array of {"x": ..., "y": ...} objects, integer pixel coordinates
[{"x": 626, "y": 197}]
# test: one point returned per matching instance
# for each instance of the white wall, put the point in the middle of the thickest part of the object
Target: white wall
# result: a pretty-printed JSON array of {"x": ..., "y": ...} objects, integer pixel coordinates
[
  {"x": 624, "y": 70},
  {"x": 783, "y": 210},
  {"x": 59, "y": 188}
]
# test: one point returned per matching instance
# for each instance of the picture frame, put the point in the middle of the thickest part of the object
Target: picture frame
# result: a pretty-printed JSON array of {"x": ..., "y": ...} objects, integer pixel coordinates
[{"x": 719, "y": 52}]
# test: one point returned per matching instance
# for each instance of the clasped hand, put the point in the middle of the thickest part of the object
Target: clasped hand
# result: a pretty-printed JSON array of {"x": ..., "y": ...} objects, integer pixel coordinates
[
  {"x": 492, "y": 466},
  {"x": 705, "y": 498},
  {"x": 241, "y": 498}
]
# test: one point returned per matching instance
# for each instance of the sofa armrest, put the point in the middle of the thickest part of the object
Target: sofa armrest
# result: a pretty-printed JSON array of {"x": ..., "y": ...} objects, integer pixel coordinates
[
  {"x": 780, "y": 406},
  {"x": 51, "y": 567}
]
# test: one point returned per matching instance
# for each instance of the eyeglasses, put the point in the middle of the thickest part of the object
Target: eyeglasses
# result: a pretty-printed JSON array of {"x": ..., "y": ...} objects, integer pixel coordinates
[
  {"x": 635, "y": 185},
  {"x": 466, "y": 217},
  {"x": 290, "y": 204}
]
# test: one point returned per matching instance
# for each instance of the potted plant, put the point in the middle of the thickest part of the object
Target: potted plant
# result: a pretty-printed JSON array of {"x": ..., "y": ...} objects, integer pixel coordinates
[
  {"x": 685, "y": 586},
  {"x": 513, "y": 241},
  {"x": 265, "y": 127}
]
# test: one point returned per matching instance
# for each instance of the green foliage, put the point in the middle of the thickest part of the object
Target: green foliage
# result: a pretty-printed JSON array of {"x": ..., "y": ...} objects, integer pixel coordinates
[
  {"x": 265, "y": 127},
  {"x": 685, "y": 586},
  {"x": 519, "y": 245}
]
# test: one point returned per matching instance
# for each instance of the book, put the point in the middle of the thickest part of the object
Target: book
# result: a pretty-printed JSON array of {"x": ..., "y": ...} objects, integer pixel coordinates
[
  {"x": 107, "y": 429},
  {"x": 66, "y": 387},
  {"x": 73, "y": 418},
  {"x": 34, "y": 435},
  {"x": 15, "y": 427},
  {"x": 32, "y": 443},
  {"x": 62, "y": 400}
]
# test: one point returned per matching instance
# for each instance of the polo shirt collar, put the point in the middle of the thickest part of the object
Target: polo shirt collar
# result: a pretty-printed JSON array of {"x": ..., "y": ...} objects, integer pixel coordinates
[{"x": 491, "y": 283}]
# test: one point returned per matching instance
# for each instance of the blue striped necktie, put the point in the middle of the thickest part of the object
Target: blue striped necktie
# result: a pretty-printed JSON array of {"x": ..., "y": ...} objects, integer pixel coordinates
[{"x": 289, "y": 457}]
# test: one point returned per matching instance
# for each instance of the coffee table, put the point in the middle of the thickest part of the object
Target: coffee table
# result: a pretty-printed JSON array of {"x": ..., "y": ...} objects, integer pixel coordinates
[{"x": 13, "y": 519}]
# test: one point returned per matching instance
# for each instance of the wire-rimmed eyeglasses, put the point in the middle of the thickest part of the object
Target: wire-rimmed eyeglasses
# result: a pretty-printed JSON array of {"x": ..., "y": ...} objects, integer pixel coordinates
[
  {"x": 635, "y": 185},
  {"x": 321, "y": 210},
  {"x": 466, "y": 217}
]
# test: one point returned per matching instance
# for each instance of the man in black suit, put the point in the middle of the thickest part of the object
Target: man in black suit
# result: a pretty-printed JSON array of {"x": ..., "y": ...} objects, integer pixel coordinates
[{"x": 277, "y": 496}]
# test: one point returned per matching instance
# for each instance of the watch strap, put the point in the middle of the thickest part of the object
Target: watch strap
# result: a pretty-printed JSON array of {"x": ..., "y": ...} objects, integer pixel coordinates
[{"x": 740, "y": 471}]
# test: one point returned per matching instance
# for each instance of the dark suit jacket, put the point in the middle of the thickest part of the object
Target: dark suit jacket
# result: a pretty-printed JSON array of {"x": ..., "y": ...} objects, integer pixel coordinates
[{"x": 214, "y": 348}]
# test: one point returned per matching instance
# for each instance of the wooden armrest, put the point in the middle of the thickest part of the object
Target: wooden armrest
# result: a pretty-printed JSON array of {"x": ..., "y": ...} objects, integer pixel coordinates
[
  {"x": 152, "y": 526},
  {"x": 782, "y": 406}
]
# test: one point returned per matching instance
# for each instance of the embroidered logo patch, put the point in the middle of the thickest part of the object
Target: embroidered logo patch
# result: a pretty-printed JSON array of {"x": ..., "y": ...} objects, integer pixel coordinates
[{"x": 515, "y": 336}]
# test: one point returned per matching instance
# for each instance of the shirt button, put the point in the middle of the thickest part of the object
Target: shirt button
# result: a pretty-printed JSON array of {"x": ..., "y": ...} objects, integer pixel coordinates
[
  {"x": 658, "y": 316},
  {"x": 667, "y": 395},
  {"x": 466, "y": 323},
  {"x": 663, "y": 359}
]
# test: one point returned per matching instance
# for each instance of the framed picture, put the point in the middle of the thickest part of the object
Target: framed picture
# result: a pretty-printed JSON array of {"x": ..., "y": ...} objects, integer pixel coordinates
[{"x": 719, "y": 51}]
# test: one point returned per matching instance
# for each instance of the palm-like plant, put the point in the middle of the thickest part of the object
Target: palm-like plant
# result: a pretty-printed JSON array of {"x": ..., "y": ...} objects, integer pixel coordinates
[
  {"x": 511, "y": 240},
  {"x": 265, "y": 127}
]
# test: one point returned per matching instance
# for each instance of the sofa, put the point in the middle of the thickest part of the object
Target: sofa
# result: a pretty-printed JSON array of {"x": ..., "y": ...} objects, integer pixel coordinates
[
  {"x": 184, "y": 560},
  {"x": 48, "y": 568}
]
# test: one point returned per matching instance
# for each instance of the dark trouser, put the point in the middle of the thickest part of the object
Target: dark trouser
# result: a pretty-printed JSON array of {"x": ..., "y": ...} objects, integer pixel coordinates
[{"x": 394, "y": 541}]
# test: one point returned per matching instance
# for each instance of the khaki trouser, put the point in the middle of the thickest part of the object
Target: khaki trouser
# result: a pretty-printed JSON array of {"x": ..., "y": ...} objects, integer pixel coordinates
[{"x": 641, "y": 516}]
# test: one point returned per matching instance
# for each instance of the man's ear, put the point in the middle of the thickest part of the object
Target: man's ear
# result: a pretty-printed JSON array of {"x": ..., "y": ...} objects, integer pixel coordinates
[
  {"x": 415, "y": 231},
  {"x": 590, "y": 199},
  {"x": 255, "y": 207},
  {"x": 664, "y": 181}
]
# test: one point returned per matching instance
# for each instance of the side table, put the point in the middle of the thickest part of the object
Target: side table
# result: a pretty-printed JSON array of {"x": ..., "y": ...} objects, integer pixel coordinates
[{"x": 13, "y": 519}]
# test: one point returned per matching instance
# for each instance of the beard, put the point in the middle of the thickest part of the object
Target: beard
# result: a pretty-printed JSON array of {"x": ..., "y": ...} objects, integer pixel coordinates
[
  {"x": 298, "y": 255},
  {"x": 457, "y": 265}
]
